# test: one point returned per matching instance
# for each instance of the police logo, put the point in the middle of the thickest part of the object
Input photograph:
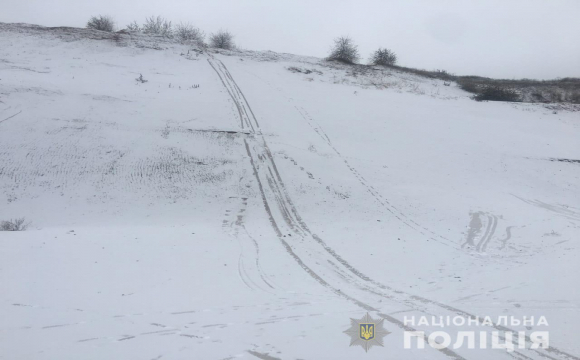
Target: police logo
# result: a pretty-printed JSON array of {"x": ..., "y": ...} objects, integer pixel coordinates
[{"x": 366, "y": 332}]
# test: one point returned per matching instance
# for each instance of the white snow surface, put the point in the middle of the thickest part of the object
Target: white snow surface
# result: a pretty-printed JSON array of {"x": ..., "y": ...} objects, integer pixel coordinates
[{"x": 251, "y": 217}]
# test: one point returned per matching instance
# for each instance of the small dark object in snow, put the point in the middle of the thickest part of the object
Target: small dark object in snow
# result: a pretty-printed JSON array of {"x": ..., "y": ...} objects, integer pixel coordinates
[{"x": 140, "y": 78}]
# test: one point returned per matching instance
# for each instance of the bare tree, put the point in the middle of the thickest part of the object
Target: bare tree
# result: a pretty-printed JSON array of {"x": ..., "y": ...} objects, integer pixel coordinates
[
  {"x": 158, "y": 26},
  {"x": 383, "y": 57},
  {"x": 187, "y": 33},
  {"x": 344, "y": 50},
  {"x": 134, "y": 26},
  {"x": 223, "y": 39},
  {"x": 101, "y": 22}
]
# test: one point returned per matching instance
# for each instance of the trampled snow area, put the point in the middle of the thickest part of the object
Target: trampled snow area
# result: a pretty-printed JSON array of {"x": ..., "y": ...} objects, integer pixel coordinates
[{"x": 254, "y": 215}]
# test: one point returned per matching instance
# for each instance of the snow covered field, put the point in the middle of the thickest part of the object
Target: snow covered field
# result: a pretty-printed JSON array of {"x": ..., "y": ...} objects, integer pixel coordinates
[{"x": 253, "y": 215}]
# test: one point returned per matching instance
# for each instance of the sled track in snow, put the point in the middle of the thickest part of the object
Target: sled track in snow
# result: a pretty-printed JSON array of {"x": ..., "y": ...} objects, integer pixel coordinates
[{"x": 285, "y": 219}]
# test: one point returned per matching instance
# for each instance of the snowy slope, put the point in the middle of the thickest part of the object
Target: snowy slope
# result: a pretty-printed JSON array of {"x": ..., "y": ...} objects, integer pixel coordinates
[{"x": 254, "y": 215}]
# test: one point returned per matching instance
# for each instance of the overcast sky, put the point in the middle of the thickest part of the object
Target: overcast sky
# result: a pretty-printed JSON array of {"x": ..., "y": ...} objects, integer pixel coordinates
[{"x": 497, "y": 38}]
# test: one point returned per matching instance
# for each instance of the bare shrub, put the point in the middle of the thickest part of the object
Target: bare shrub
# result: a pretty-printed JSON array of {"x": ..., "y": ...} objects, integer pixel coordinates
[
  {"x": 158, "y": 26},
  {"x": 344, "y": 50},
  {"x": 187, "y": 33},
  {"x": 14, "y": 225},
  {"x": 222, "y": 39},
  {"x": 574, "y": 97},
  {"x": 443, "y": 75},
  {"x": 118, "y": 39},
  {"x": 384, "y": 57},
  {"x": 469, "y": 86},
  {"x": 497, "y": 93},
  {"x": 528, "y": 90},
  {"x": 101, "y": 22},
  {"x": 134, "y": 26}
]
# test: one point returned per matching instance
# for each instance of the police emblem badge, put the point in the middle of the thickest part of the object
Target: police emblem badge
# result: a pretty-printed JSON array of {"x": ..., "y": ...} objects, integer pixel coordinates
[{"x": 366, "y": 332}]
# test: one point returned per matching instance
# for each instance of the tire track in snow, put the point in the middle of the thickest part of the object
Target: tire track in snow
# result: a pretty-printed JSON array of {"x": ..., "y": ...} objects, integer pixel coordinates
[
  {"x": 484, "y": 241},
  {"x": 319, "y": 278},
  {"x": 562, "y": 210},
  {"x": 261, "y": 158},
  {"x": 475, "y": 226},
  {"x": 486, "y": 234},
  {"x": 483, "y": 244},
  {"x": 250, "y": 272},
  {"x": 398, "y": 214},
  {"x": 10, "y": 117},
  {"x": 242, "y": 119},
  {"x": 508, "y": 235},
  {"x": 493, "y": 219}
]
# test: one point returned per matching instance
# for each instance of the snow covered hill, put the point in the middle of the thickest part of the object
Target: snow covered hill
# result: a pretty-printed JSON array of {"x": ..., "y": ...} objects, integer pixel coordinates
[{"x": 248, "y": 204}]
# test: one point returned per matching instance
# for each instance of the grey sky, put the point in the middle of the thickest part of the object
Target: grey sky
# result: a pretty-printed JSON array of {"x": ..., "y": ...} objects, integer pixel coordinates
[{"x": 497, "y": 38}]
